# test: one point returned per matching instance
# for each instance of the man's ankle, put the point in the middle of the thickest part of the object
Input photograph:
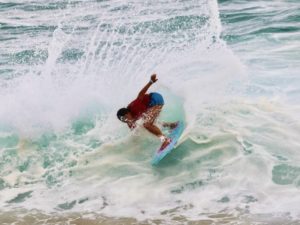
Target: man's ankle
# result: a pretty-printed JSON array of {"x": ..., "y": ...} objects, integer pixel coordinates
[{"x": 162, "y": 138}]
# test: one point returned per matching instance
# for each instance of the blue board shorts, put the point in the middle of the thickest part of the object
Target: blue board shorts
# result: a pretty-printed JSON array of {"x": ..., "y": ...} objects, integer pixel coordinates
[{"x": 156, "y": 99}]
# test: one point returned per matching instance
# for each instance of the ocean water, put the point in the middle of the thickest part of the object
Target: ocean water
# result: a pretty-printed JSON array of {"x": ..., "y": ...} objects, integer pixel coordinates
[{"x": 228, "y": 69}]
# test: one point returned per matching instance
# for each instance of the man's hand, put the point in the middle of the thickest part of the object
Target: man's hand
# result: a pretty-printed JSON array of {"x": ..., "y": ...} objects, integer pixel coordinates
[
  {"x": 131, "y": 125},
  {"x": 153, "y": 78},
  {"x": 142, "y": 93}
]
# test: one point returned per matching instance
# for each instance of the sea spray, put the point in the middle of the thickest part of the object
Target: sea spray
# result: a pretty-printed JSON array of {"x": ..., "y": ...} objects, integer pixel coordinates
[{"x": 64, "y": 77}]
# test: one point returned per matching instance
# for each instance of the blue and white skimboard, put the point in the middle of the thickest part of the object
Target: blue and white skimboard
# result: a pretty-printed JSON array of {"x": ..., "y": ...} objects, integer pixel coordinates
[{"x": 175, "y": 135}]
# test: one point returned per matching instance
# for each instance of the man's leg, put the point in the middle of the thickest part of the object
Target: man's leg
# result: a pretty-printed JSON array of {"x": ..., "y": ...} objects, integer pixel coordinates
[
  {"x": 150, "y": 118},
  {"x": 153, "y": 129}
]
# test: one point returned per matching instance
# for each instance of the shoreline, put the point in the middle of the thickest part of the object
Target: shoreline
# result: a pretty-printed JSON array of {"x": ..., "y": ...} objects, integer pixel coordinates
[{"x": 35, "y": 217}]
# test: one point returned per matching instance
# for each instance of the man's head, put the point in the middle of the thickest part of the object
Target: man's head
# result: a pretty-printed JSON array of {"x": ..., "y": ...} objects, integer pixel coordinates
[{"x": 124, "y": 115}]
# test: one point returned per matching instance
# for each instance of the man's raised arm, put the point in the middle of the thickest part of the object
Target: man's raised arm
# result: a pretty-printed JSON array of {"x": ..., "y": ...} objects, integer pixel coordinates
[{"x": 153, "y": 79}]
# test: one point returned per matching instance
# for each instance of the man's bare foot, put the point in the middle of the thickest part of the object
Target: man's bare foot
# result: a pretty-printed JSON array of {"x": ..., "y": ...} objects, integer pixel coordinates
[
  {"x": 170, "y": 125},
  {"x": 165, "y": 143}
]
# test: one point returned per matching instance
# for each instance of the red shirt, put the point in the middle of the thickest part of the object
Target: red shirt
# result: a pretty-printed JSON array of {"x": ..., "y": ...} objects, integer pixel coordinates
[{"x": 139, "y": 106}]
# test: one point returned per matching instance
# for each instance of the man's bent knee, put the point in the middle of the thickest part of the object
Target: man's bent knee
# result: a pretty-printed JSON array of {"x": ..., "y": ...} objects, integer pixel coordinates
[{"x": 147, "y": 125}]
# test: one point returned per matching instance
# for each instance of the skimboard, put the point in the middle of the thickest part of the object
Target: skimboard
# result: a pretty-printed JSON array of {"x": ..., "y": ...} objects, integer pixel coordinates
[{"x": 174, "y": 136}]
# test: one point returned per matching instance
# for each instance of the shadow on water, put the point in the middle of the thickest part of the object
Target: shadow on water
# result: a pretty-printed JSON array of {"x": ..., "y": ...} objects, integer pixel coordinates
[
  {"x": 185, "y": 149},
  {"x": 178, "y": 155},
  {"x": 192, "y": 156}
]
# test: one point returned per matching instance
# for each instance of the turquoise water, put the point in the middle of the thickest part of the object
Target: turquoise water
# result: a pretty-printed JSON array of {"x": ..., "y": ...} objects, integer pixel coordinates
[{"x": 229, "y": 69}]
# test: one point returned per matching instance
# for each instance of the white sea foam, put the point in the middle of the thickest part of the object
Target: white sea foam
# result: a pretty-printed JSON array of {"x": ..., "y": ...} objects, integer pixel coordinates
[{"x": 63, "y": 149}]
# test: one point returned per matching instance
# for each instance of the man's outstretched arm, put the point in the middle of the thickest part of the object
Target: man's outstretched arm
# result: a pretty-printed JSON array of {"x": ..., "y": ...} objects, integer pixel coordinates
[{"x": 153, "y": 79}]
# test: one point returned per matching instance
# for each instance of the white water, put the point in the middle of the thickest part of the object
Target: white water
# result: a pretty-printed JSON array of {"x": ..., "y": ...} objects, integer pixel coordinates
[{"x": 61, "y": 140}]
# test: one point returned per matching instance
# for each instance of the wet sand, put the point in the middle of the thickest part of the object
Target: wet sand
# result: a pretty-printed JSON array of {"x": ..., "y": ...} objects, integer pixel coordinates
[{"x": 23, "y": 217}]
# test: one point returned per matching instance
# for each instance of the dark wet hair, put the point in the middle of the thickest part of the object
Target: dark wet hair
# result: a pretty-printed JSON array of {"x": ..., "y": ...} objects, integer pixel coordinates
[{"x": 122, "y": 112}]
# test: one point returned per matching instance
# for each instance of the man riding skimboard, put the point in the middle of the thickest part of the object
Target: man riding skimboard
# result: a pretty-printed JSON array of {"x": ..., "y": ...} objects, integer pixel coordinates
[{"x": 146, "y": 107}]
